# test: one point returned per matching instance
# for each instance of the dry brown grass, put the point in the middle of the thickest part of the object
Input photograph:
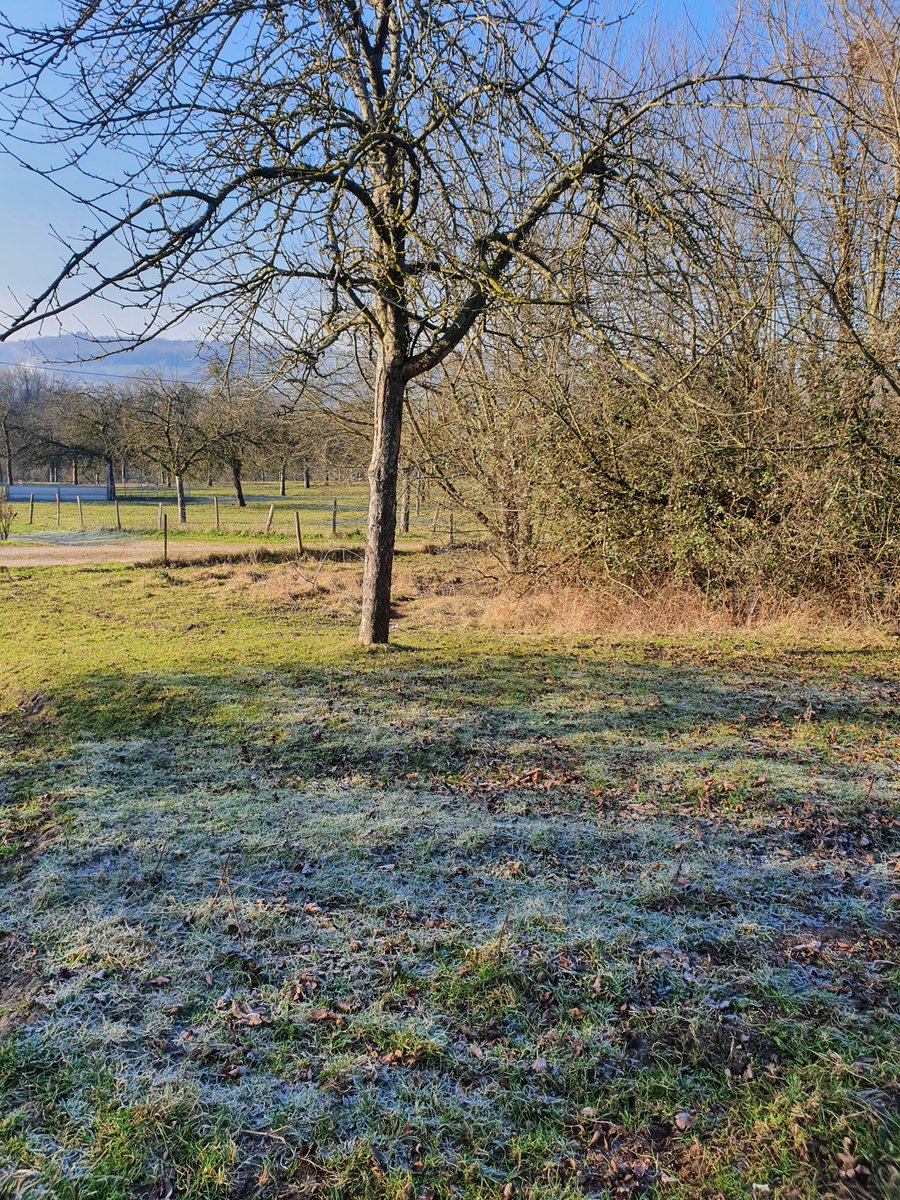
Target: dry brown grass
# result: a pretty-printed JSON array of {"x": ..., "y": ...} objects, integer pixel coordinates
[
  {"x": 468, "y": 593},
  {"x": 334, "y": 584},
  {"x": 465, "y": 589},
  {"x": 670, "y": 610}
]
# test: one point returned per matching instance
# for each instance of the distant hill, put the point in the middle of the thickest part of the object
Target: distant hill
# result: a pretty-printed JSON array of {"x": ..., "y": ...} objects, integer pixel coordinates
[{"x": 75, "y": 354}]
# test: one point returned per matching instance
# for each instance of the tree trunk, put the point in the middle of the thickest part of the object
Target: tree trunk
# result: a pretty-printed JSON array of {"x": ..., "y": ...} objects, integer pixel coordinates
[
  {"x": 75, "y": 471},
  {"x": 110, "y": 481},
  {"x": 179, "y": 496},
  {"x": 238, "y": 486},
  {"x": 390, "y": 388},
  {"x": 10, "y": 477},
  {"x": 282, "y": 480},
  {"x": 124, "y": 472},
  {"x": 307, "y": 478}
]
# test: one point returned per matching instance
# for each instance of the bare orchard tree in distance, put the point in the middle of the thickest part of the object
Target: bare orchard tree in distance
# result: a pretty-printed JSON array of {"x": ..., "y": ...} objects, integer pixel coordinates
[{"x": 316, "y": 171}]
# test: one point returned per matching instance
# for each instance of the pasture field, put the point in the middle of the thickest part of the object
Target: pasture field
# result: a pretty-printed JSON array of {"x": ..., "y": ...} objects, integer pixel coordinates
[
  {"x": 139, "y": 513},
  {"x": 483, "y": 914}
]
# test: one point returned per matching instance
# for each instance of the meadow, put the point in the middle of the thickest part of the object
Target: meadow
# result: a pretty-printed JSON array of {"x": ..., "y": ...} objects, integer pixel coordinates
[
  {"x": 492, "y": 912},
  {"x": 139, "y": 512}
]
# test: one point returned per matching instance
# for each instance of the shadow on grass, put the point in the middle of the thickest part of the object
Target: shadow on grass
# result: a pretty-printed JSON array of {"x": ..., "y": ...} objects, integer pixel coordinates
[
  {"x": 416, "y": 709},
  {"x": 410, "y": 919}
]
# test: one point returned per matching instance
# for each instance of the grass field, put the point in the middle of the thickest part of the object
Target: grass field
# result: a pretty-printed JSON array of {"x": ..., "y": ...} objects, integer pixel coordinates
[
  {"x": 480, "y": 915},
  {"x": 139, "y": 512}
]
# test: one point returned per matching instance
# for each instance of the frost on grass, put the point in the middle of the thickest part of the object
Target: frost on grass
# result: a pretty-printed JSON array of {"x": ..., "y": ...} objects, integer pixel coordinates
[{"x": 460, "y": 923}]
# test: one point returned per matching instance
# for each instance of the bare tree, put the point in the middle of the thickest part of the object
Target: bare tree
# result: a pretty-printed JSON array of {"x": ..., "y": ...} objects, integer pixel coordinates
[
  {"x": 89, "y": 424},
  {"x": 21, "y": 392},
  {"x": 316, "y": 170},
  {"x": 722, "y": 403},
  {"x": 842, "y": 228},
  {"x": 237, "y": 424},
  {"x": 168, "y": 430}
]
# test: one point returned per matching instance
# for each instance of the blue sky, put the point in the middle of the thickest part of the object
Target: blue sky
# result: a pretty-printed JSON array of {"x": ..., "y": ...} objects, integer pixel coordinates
[{"x": 37, "y": 220}]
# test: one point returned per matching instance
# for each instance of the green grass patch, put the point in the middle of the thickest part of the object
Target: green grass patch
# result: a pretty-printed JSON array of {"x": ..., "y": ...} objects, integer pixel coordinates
[{"x": 475, "y": 916}]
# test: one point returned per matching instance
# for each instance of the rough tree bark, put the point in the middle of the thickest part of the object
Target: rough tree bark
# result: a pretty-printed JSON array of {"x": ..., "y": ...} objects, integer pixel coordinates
[
  {"x": 180, "y": 498},
  {"x": 390, "y": 390}
]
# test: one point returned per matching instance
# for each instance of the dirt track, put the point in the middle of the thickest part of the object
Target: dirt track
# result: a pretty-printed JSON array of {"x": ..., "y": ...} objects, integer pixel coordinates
[{"x": 120, "y": 550}]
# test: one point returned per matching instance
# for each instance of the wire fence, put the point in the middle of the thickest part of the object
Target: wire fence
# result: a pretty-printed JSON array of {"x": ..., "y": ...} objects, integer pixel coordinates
[{"x": 140, "y": 509}]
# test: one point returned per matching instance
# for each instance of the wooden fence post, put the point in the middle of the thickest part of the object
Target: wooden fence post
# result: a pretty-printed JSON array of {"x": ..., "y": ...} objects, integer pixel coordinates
[
  {"x": 268, "y": 524},
  {"x": 118, "y": 518},
  {"x": 80, "y": 512},
  {"x": 165, "y": 539},
  {"x": 297, "y": 532},
  {"x": 57, "y": 510},
  {"x": 31, "y": 509},
  {"x": 216, "y": 507},
  {"x": 334, "y": 517}
]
